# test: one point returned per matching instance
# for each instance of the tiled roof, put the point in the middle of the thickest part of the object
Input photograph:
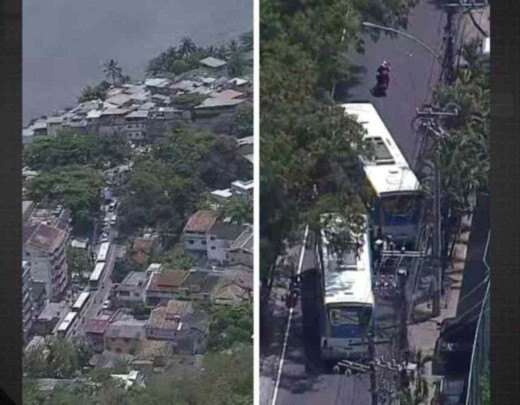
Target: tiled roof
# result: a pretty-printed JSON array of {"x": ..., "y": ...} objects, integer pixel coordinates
[
  {"x": 169, "y": 316},
  {"x": 47, "y": 238},
  {"x": 201, "y": 221},
  {"x": 167, "y": 280}
]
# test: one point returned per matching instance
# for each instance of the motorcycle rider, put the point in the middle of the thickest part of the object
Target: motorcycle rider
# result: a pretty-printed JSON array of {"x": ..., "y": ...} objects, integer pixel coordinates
[{"x": 383, "y": 74}]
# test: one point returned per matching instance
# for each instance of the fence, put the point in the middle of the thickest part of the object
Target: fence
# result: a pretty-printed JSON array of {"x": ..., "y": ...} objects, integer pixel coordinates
[{"x": 479, "y": 367}]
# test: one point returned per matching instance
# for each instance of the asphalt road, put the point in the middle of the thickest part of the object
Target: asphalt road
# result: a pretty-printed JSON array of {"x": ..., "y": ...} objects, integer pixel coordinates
[
  {"x": 304, "y": 379},
  {"x": 98, "y": 296},
  {"x": 413, "y": 73}
]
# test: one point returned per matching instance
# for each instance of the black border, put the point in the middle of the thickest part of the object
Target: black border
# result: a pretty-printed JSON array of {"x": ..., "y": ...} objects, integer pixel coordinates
[
  {"x": 10, "y": 202},
  {"x": 505, "y": 202}
]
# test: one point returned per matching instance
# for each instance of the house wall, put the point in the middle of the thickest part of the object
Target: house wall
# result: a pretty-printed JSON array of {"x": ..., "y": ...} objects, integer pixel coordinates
[
  {"x": 195, "y": 242},
  {"x": 240, "y": 256},
  {"x": 216, "y": 249}
]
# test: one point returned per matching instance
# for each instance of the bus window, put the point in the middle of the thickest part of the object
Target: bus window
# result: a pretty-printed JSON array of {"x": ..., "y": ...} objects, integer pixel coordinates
[{"x": 349, "y": 316}]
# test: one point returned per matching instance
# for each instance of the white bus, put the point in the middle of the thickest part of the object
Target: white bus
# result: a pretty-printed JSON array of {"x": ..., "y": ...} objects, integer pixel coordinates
[
  {"x": 96, "y": 275},
  {"x": 397, "y": 209},
  {"x": 66, "y": 324},
  {"x": 103, "y": 252},
  {"x": 347, "y": 301},
  {"x": 81, "y": 302}
]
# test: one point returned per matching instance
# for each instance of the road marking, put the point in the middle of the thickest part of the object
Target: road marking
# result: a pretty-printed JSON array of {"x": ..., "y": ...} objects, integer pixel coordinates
[{"x": 289, "y": 320}]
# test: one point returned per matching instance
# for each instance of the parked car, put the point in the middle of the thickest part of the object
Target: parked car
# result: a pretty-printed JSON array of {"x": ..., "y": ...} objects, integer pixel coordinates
[{"x": 106, "y": 304}]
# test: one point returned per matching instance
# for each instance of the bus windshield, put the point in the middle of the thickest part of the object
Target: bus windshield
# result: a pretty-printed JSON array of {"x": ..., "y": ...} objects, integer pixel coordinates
[
  {"x": 349, "y": 321},
  {"x": 399, "y": 210}
]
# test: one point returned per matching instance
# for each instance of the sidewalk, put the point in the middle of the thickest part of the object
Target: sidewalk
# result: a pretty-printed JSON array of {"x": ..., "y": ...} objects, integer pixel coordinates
[
  {"x": 270, "y": 355},
  {"x": 422, "y": 336}
]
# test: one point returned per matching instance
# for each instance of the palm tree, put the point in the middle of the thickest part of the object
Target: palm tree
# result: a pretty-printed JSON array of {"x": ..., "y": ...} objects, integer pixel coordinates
[
  {"x": 187, "y": 46},
  {"x": 113, "y": 71}
]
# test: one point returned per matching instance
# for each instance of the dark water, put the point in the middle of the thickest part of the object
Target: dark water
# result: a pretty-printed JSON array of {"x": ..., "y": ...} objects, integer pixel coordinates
[{"x": 65, "y": 42}]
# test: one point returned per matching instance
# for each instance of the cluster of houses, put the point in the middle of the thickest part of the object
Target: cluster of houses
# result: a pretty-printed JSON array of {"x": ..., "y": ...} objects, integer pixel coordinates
[
  {"x": 144, "y": 111},
  {"x": 157, "y": 314}
]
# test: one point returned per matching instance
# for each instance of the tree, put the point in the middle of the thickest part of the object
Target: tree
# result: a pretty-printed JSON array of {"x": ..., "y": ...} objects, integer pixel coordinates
[
  {"x": 238, "y": 209},
  {"x": 230, "y": 326},
  {"x": 113, "y": 71},
  {"x": 78, "y": 260},
  {"x": 243, "y": 121},
  {"x": 176, "y": 259},
  {"x": 69, "y": 148},
  {"x": 236, "y": 64},
  {"x": 246, "y": 41},
  {"x": 76, "y": 187},
  {"x": 63, "y": 358},
  {"x": 94, "y": 92},
  {"x": 187, "y": 46}
]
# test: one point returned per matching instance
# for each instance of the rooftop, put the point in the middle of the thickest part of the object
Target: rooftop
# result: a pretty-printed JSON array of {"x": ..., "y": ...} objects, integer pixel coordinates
[
  {"x": 201, "y": 221},
  {"x": 53, "y": 310},
  {"x": 135, "y": 279},
  {"x": 244, "y": 240},
  {"x": 167, "y": 280},
  {"x": 170, "y": 316},
  {"x": 157, "y": 82},
  {"x": 212, "y": 62},
  {"x": 126, "y": 329},
  {"x": 46, "y": 237},
  {"x": 226, "y": 231}
]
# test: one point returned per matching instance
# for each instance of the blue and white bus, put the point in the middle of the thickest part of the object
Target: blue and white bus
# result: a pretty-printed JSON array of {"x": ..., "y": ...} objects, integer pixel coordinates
[
  {"x": 103, "y": 252},
  {"x": 81, "y": 302},
  {"x": 347, "y": 301},
  {"x": 96, "y": 275},
  {"x": 397, "y": 210},
  {"x": 65, "y": 325}
]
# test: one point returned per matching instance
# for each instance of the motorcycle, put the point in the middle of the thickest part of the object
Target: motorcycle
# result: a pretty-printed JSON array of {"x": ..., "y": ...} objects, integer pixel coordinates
[{"x": 383, "y": 81}]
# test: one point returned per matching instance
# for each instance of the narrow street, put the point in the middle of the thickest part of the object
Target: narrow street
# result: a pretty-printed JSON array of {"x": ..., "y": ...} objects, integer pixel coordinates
[
  {"x": 414, "y": 72},
  {"x": 303, "y": 377}
]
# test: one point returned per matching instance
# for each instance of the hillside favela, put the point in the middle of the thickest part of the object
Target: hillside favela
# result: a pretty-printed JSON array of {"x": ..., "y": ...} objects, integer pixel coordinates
[{"x": 137, "y": 237}]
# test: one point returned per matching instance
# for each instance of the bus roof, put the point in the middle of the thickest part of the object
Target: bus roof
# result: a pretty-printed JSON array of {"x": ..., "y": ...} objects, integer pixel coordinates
[
  {"x": 347, "y": 279},
  {"x": 96, "y": 274},
  {"x": 390, "y": 172},
  {"x": 83, "y": 297},
  {"x": 65, "y": 324},
  {"x": 103, "y": 250}
]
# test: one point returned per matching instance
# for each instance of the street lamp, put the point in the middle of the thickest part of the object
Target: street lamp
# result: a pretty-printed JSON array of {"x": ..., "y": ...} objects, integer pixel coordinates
[{"x": 437, "y": 56}]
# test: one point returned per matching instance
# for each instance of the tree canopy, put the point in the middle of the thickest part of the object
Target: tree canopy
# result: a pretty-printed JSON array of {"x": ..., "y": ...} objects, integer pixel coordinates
[
  {"x": 69, "y": 148},
  {"x": 76, "y": 187}
]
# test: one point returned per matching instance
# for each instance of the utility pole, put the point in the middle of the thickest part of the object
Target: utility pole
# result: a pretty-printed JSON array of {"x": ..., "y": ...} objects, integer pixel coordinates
[
  {"x": 451, "y": 10},
  {"x": 428, "y": 119}
]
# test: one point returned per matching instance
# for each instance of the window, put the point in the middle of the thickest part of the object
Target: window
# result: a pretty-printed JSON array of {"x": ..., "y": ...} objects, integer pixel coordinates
[
  {"x": 381, "y": 152},
  {"x": 191, "y": 241},
  {"x": 212, "y": 237},
  {"x": 204, "y": 242},
  {"x": 213, "y": 247}
]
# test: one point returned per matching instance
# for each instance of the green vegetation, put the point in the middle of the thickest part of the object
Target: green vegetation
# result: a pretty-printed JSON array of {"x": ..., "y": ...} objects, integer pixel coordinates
[
  {"x": 122, "y": 267},
  {"x": 97, "y": 92},
  {"x": 238, "y": 209},
  {"x": 68, "y": 148},
  {"x": 78, "y": 260},
  {"x": 58, "y": 358},
  {"x": 243, "y": 121},
  {"x": 166, "y": 186},
  {"x": 187, "y": 55},
  {"x": 76, "y": 187},
  {"x": 176, "y": 259},
  {"x": 230, "y": 326},
  {"x": 226, "y": 378},
  {"x": 114, "y": 72}
]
